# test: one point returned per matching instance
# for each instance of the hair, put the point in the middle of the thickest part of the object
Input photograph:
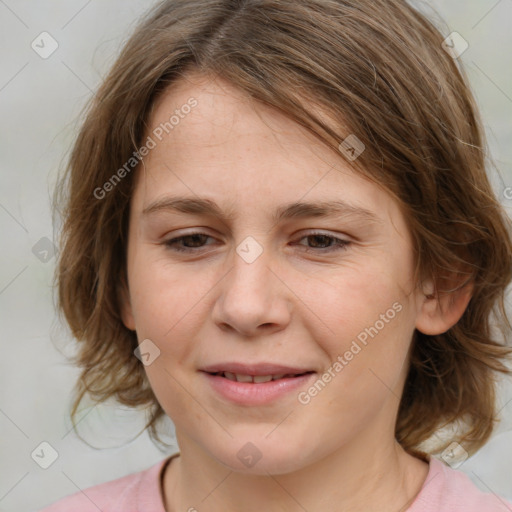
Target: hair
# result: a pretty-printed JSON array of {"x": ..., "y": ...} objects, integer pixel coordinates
[{"x": 378, "y": 68}]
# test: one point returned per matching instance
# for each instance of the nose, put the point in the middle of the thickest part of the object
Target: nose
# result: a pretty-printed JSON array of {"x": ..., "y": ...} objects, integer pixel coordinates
[{"x": 253, "y": 299}]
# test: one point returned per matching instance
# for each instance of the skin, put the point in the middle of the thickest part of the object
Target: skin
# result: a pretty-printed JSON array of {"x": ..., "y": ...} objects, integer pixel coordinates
[{"x": 297, "y": 304}]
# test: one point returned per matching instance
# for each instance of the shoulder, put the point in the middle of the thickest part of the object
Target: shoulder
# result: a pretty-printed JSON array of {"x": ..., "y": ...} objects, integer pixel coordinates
[
  {"x": 450, "y": 490},
  {"x": 137, "y": 492}
]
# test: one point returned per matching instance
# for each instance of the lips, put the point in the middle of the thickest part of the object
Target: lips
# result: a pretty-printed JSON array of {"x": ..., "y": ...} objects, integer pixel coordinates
[
  {"x": 251, "y": 385},
  {"x": 256, "y": 379}
]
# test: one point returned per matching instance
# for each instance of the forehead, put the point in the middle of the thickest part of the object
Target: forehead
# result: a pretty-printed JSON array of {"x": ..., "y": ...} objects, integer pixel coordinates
[
  {"x": 225, "y": 120},
  {"x": 243, "y": 154}
]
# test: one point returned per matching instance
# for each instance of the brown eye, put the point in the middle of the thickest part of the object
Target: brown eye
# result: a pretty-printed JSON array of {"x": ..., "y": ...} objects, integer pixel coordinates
[
  {"x": 321, "y": 242},
  {"x": 187, "y": 243}
]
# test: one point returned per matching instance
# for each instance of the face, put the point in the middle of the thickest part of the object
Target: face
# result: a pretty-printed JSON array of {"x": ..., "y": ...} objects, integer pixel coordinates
[{"x": 228, "y": 275}]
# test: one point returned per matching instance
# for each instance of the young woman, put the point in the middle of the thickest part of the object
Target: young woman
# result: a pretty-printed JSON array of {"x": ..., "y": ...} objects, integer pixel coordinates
[{"x": 279, "y": 233}]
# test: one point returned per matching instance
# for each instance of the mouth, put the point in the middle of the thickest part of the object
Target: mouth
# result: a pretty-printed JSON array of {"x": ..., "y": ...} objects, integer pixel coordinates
[
  {"x": 256, "y": 379},
  {"x": 255, "y": 384}
]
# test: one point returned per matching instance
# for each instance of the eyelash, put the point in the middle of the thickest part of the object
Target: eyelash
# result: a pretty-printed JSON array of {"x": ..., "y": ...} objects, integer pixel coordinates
[{"x": 339, "y": 244}]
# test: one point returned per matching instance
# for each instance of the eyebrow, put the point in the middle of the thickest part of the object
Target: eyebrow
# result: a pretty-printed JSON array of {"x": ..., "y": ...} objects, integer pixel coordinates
[{"x": 295, "y": 210}]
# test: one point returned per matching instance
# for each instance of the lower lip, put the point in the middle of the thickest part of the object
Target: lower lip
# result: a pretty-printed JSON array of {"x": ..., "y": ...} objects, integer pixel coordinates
[{"x": 249, "y": 393}]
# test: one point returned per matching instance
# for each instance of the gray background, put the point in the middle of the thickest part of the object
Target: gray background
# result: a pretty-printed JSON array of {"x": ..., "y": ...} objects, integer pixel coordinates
[{"x": 40, "y": 100}]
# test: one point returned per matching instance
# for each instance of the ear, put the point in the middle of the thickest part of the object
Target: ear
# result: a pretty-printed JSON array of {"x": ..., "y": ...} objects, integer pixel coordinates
[
  {"x": 125, "y": 305},
  {"x": 439, "y": 310}
]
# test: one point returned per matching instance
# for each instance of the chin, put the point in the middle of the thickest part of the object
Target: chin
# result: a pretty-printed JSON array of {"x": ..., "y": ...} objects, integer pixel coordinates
[{"x": 259, "y": 456}]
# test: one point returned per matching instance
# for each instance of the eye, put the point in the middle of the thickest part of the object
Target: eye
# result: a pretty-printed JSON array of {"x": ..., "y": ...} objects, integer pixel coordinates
[
  {"x": 325, "y": 243},
  {"x": 191, "y": 241}
]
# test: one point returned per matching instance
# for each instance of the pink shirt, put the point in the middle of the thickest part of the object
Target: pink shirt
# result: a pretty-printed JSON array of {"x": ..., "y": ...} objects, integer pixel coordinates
[{"x": 444, "y": 490}]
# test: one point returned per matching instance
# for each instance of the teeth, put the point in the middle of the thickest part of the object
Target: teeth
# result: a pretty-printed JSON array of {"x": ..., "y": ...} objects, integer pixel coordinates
[
  {"x": 256, "y": 379},
  {"x": 262, "y": 378},
  {"x": 244, "y": 378}
]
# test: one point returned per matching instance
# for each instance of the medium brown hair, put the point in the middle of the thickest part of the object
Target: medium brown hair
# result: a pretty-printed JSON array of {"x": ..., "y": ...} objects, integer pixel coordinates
[{"x": 377, "y": 67}]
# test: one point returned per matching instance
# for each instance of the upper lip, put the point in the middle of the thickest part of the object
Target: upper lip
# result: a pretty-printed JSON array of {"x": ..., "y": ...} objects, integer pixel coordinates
[{"x": 254, "y": 369}]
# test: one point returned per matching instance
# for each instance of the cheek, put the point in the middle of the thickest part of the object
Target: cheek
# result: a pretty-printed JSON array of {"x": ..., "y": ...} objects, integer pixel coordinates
[
  {"x": 169, "y": 303},
  {"x": 371, "y": 323},
  {"x": 353, "y": 299},
  {"x": 161, "y": 293},
  {"x": 166, "y": 301}
]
